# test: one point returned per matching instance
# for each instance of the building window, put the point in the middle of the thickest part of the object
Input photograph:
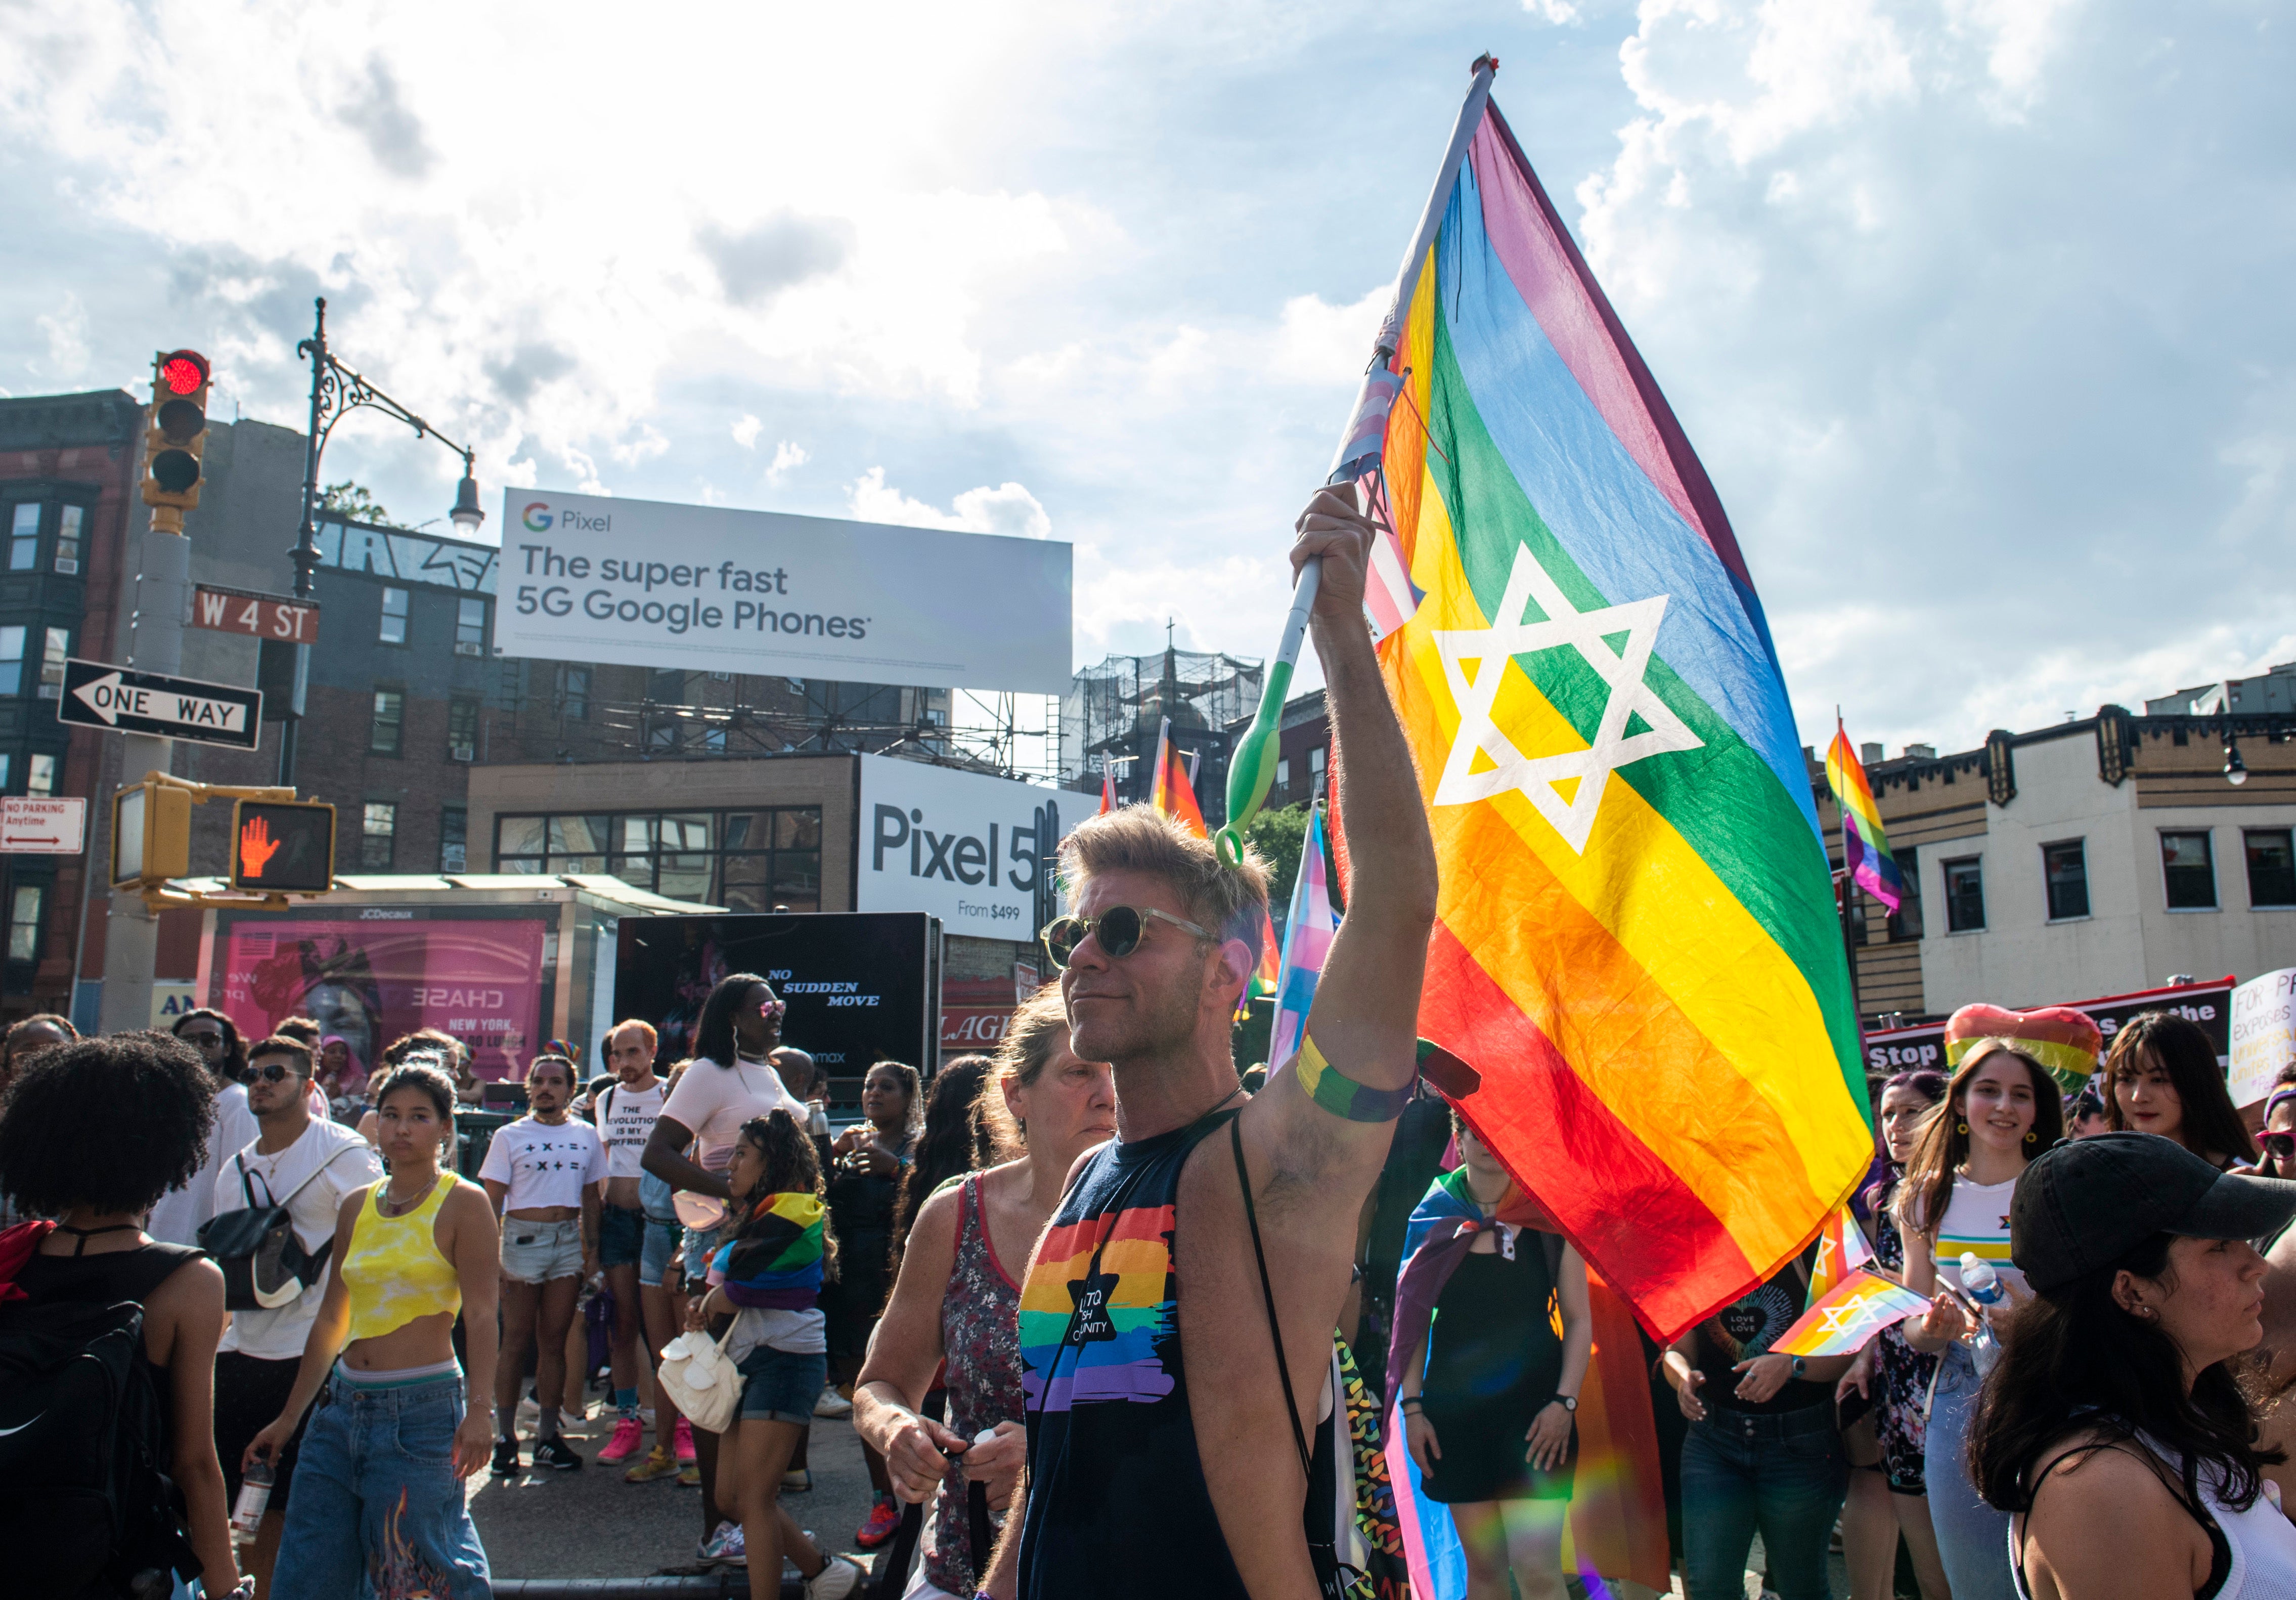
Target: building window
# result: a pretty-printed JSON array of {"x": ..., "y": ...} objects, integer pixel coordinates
[
  {"x": 2065, "y": 867},
  {"x": 470, "y": 627},
  {"x": 2271, "y": 866},
  {"x": 750, "y": 860},
  {"x": 40, "y": 774},
  {"x": 1316, "y": 762},
  {"x": 713, "y": 739},
  {"x": 11, "y": 661},
  {"x": 52, "y": 663},
  {"x": 453, "y": 837},
  {"x": 390, "y": 714},
  {"x": 4, "y": 770},
  {"x": 1283, "y": 774},
  {"x": 24, "y": 922},
  {"x": 24, "y": 537},
  {"x": 1964, "y": 895},
  {"x": 1906, "y": 921},
  {"x": 574, "y": 694},
  {"x": 2188, "y": 871},
  {"x": 394, "y": 617},
  {"x": 67, "y": 527},
  {"x": 462, "y": 730},
  {"x": 377, "y": 833}
]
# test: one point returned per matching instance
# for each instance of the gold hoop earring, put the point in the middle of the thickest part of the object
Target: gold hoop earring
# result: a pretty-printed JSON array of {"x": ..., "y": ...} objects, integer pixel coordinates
[
  {"x": 2032, "y": 1136},
  {"x": 1961, "y": 1127}
]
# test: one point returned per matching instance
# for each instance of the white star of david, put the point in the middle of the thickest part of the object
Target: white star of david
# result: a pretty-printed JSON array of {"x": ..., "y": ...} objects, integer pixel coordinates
[{"x": 1512, "y": 634}]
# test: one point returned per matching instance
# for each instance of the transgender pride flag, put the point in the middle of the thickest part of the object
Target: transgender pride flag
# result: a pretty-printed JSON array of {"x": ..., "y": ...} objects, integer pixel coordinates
[{"x": 1307, "y": 939}]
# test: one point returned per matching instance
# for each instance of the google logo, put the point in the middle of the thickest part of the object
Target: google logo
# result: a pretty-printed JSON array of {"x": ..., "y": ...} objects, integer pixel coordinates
[{"x": 538, "y": 517}]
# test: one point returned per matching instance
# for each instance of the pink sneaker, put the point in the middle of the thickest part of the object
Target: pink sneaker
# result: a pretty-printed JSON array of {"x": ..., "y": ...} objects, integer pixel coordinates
[
  {"x": 629, "y": 1435},
  {"x": 685, "y": 1437}
]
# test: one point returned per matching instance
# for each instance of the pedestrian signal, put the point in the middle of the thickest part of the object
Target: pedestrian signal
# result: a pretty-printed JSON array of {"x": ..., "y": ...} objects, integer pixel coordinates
[
  {"x": 150, "y": 835},
  {"x": 176, "y": 437},
  {"x": 283, "y": 847}
]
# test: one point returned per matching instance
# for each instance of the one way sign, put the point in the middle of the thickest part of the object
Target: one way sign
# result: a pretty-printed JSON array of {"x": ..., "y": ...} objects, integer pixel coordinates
[{"x": 98, "y": 694}]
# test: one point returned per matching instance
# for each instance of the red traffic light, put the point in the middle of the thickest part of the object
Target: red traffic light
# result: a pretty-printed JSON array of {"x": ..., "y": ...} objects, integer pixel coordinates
[{"x": 183, "y": 371}]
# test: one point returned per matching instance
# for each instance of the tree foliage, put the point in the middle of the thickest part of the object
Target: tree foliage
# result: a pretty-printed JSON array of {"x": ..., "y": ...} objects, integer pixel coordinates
[{"x": 350, "y": 500}]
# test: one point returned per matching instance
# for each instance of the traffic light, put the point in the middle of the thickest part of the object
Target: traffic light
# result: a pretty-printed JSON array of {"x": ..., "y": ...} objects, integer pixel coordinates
[
  {"x": 177, "y": 435},
  {"x": 150, "y": 835},
  {"x": 283, "y": 847}
]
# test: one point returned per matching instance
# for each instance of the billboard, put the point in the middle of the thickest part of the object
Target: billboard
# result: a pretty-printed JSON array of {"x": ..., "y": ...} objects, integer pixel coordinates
[
  {"x": 971, "y": 849},
  {"x": 860, "y": 988},
  {"x": 374, "y": 972},
  {"x": 641, "y": 583},
  {"x": 2207, "y": 1005}
]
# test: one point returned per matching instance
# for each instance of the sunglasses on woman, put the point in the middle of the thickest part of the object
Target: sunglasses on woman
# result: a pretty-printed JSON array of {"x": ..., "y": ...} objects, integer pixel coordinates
[
  {"x": 2279, "y": 1146},
  {"x": 1120, "y": 928}
]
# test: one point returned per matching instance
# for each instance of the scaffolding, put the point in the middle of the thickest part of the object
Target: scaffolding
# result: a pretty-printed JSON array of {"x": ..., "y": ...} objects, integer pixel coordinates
[{"x": 1114, "y": 713}]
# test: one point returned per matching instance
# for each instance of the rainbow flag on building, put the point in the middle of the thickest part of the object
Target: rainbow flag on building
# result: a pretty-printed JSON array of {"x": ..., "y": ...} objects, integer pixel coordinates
[
  {"x": 1307, "y": 930},
  {"x": 1637, "y": 944},
  {"x": 1865, "y": 847},
  {"x": 1847, "y": 1316}
]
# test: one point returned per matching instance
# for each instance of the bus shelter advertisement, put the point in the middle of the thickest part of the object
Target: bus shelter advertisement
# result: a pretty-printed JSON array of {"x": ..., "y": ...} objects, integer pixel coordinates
[
  {"x": 380, "y": 971},
  {"x": 644, "y": 584}
]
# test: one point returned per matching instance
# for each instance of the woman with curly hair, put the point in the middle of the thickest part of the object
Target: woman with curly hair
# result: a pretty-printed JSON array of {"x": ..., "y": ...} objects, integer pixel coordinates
[
  {"x": 70, "y": 1153},
  {"x": 2112, "y": 1436}
]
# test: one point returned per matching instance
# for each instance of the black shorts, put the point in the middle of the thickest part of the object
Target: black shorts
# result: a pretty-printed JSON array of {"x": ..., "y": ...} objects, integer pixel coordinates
[{"x": 249, "y": 1394}]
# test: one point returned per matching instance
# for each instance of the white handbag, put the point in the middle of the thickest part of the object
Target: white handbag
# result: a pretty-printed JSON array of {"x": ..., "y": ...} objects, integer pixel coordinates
[{"x": 703, "y": 1383}]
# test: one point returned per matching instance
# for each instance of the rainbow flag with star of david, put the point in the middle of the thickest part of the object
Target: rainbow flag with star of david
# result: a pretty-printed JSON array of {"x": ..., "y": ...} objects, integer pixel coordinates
[
  {"x": 1846, "y": 1317},
  {"x": 1637, "y": 944}
]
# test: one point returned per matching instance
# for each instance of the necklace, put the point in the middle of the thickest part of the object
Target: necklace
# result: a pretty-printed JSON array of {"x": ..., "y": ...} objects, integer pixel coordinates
[{"x": 392, "y": 1206}]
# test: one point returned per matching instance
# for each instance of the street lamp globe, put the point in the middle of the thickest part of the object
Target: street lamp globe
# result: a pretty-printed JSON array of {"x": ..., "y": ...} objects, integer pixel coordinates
[
  {"x": 2236, "y": 770},
  {"x": 466, "y": 514}
]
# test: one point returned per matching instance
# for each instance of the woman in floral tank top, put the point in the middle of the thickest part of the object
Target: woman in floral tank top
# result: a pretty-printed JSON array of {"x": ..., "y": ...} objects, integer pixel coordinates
[{"x": 957, "y": 1300}]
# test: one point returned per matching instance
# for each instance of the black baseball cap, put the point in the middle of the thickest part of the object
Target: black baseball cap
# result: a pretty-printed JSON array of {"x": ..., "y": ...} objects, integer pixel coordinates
[{"x": 2086, "y": 1203}]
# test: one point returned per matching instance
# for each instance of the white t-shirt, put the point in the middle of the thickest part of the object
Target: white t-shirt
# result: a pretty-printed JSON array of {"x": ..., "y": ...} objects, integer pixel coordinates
[
  {"x": 1977, "y": 1218},
  {"x": 176, "y": 1218},
  {"x": 335, "y": 1161},
  {"x": 715, "y": 1100},
  {"x": 543, "y": 1165},
  {"x": 626, "y": 1121}
]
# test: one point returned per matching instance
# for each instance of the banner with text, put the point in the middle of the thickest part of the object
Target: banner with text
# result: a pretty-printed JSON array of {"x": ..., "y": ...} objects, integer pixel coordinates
[
  {"x": 2263, "y": 1034},
  {"x": 641, "y": 583},
  {"x": 2207, "y": 1005},
  {"x": 963, "y": 846}
]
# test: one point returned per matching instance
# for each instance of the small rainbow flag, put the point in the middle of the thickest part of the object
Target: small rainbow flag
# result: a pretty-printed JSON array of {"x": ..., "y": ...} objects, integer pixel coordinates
[
  {"x": 1107, "y": 789},
  {"x": 1841, "y": 1249},
  {"x": 1308, "y": 933},
  {"x": 1860, "y": 1306},
  {"x": 1865, "y": 847},
  {"x": 1172, "y": 793}
]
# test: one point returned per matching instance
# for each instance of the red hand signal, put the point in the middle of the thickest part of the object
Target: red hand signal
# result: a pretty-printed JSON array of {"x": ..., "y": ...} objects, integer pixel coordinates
[{"x": 256, "y": 846}]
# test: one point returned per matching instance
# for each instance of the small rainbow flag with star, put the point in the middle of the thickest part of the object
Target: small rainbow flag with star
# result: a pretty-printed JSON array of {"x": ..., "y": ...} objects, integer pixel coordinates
[
  {"x": 1841, "y": 1249},
  {"x": 1860, "y": 1306},
  {"x": 1865, "y": 847}
]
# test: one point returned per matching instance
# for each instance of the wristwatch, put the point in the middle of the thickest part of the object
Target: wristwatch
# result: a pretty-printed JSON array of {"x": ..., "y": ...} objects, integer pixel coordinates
[
  {"x": 1568, "y": 1402},
  {"x": 1801, "y": 1367}
]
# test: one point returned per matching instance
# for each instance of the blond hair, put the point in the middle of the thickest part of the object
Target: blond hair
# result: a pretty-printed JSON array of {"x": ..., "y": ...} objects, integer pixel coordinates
[
  {"x": 1039, "y": 1028},
  {"x": 1232, "y": 901}
]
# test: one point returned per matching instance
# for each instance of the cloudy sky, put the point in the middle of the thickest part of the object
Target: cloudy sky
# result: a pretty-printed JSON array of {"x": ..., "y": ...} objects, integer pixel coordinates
[{"x": 1979, "y": 311}]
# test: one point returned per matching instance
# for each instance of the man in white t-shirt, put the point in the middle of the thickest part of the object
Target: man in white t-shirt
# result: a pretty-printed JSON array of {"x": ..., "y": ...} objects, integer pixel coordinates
[
  {"x": 625, "y": 1112},
  {"x": 176, "y": 1217},
  {"x": 311, "y": 1166},
  {"x": 545, "y": 1173}
]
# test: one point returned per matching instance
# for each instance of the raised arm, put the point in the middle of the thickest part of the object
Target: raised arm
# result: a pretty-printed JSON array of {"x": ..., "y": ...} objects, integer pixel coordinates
[{"x": 1364, "y": 1022}]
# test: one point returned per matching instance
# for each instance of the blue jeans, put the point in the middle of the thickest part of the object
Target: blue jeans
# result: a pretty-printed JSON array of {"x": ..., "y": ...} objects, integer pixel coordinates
[
  {"x": 378, "y": 1510},
  {"x": 1785, "y": 1475},
  {"x": 1972, "y": 1537}
]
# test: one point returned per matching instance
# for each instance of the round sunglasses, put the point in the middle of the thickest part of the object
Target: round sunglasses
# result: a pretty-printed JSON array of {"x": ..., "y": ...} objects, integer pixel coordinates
[
  {"x": 1120, "y": 928},
  {"x": 2279, "y": 1146}
]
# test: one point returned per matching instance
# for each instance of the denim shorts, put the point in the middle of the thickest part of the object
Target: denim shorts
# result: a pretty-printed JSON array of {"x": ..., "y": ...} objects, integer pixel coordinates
[
  {"x": 661, "y": 1241},
  {"x": 780, "y": 1386},
  {"x": 535, "y": 1252},
  {"x": 622, "y": 1236},
  {"x": 701, "y": 1244}
]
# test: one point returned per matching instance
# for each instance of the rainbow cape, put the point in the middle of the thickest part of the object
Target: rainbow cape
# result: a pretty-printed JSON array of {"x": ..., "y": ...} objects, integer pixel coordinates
[
  {"x": 1617, "y": 1503},
  {"x": 1637, "y": 943},
  {"x": 1865, "y": 847},
  {"x": 1307, "y": 930},
  {"x": 1839, "y": 1322}
]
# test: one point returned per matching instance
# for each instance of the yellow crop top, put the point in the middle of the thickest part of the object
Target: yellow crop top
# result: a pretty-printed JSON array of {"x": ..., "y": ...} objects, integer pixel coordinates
[{"x": 393, "y": 1271}]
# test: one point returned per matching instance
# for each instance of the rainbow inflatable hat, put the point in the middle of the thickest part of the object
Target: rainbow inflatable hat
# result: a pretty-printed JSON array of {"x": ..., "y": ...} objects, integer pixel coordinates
[{"x": 2064, "y": 1040}]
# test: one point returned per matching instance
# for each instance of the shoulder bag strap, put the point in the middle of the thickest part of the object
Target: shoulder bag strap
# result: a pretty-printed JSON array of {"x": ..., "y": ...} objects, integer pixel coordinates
[{"x": 1267, "y": 1295}]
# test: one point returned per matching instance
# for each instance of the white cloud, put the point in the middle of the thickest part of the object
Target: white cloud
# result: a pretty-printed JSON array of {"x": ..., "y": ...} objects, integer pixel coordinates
[
  {"x": 787, "y": 456},
  {"x": 66, "y": 331},
  {"x": 1009, "y": 508},
  {"x": 746, "y": 431},
  {"x": 1557, "y": 12}
]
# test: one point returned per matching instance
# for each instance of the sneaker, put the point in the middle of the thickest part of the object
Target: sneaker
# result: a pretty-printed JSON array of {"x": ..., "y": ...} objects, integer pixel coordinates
[
  {"x": 833, "y": 1404},
  {"x": 645, "y": 1416},
  {"x": 506, "y": 1463},
  {"x": 658, "y": 1463},
  {"x": 684, "y": 1440},
  {"x": 840, "y": 1577},
  {"x": 573, "y": 1419},
  {"x": 884, "y": 1516},
  {"x": 689, "y": 1475},
  {"x": 557, "y": 1455},
  {"x": 725, "y": 1547},
  {"x": 629, "y": 1435},
  {"x": 797, "y": 1481}
]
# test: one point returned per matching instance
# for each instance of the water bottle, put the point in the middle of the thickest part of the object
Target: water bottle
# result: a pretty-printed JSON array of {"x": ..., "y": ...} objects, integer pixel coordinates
[
  {"x": 1980, "y": 1281},
  {"x": 816, "y": 1121},
  {"x": 254, "y": 1497}
]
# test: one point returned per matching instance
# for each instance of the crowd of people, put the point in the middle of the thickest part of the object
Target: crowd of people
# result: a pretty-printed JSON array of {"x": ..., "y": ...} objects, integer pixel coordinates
[{"x": 1099, "y": 1308}]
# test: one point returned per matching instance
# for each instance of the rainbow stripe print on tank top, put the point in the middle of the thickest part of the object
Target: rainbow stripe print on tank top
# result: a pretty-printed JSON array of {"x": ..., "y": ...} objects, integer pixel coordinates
[{"x": 1123, "y": 1318}]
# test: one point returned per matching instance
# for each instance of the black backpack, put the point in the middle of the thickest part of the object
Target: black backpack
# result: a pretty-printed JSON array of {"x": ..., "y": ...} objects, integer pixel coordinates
[
  {"x": 265, "y": 1266},
  {"x": 85, "y": 1503}
]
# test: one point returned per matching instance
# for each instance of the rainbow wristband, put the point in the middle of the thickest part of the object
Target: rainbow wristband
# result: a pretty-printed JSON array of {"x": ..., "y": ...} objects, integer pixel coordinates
[{"x": 1342, "y": 1095}]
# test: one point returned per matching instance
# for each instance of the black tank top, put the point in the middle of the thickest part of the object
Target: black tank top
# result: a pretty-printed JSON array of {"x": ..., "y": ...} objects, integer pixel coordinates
[
  {"x": 106, "y": 1280},
  {"x": 1117, "y": 1504}
]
